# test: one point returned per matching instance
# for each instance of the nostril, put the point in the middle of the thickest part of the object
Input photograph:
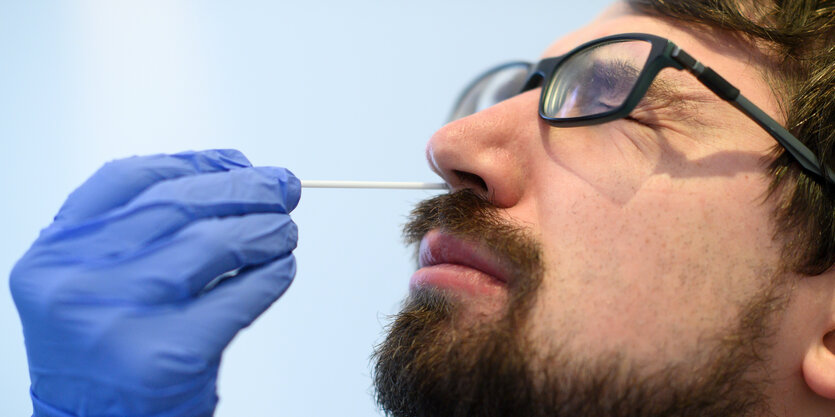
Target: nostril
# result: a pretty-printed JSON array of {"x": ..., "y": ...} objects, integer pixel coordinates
[{"x": 471, "y": 180}]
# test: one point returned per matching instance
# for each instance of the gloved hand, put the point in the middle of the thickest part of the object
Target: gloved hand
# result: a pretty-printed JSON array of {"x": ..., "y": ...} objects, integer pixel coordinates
[{"x": 112, "y": 296}]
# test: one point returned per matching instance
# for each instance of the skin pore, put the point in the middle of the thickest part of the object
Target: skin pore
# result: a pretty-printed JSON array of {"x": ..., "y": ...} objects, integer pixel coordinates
[{"x": 655, "y": 250}]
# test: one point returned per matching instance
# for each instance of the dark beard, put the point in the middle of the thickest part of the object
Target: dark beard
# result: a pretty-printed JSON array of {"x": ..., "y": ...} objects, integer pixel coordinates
[{"x": 432, "y": 365}]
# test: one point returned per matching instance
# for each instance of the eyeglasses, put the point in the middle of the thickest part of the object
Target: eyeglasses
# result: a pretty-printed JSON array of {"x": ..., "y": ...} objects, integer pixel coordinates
[{"x": 603, "y": 80}]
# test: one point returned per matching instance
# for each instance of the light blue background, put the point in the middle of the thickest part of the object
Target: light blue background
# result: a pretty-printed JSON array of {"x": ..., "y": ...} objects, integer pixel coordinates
[{"x": 330, "y": 89}]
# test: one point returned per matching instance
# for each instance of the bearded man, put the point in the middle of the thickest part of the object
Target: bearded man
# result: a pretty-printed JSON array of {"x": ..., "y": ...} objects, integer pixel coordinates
[{"x": 640, "y": 224}]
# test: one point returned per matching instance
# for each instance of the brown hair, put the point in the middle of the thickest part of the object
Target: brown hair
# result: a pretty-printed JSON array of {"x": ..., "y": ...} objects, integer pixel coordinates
[{"x": 799, "y": 38}]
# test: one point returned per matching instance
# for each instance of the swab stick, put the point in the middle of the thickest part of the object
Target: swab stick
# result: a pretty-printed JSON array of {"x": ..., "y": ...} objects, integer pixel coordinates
[{"x": 376, "y": 184}]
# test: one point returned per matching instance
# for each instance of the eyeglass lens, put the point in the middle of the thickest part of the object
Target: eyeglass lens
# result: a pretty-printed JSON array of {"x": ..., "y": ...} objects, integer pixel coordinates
[
  {"x": 493, "y": 87},
  {"x": 591, "y": 82},
  {"x": 596, "y": 80}
]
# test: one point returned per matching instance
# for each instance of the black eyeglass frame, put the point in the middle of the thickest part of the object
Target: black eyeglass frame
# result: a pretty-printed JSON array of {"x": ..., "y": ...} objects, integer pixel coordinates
[{"x": 665, "y": 54}]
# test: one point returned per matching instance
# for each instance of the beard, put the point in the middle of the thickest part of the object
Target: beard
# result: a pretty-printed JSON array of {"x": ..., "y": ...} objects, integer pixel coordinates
[{"x": 434, "y": 363}]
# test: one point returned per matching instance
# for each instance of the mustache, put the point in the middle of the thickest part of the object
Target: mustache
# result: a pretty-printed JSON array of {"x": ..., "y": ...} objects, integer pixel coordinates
[{"x": 468, "y": 216}]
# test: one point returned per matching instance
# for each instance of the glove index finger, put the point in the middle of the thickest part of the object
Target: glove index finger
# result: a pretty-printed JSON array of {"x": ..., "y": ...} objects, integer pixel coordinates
[
  {"x": 119, "y": 181},
  {"x": 292, "y": 189}
]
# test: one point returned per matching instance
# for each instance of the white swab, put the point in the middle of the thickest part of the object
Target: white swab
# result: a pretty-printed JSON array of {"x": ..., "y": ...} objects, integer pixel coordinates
[{"x": 376, "y": 184}]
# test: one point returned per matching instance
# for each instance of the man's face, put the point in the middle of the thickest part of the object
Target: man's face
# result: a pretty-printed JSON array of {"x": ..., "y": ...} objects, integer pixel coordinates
[{"x": 653, "y": 241}]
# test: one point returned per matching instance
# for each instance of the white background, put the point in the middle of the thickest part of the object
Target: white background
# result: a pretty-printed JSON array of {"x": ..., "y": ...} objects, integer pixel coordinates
[{"x": 330, "y": 89}]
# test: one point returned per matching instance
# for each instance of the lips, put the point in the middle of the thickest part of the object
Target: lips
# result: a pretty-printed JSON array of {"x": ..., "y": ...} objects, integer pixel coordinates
[{"x": 460, "y": 266}]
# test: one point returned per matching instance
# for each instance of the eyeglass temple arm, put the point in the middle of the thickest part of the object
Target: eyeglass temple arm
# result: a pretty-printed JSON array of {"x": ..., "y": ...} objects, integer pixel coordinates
[{"x": 728, "y": 92}]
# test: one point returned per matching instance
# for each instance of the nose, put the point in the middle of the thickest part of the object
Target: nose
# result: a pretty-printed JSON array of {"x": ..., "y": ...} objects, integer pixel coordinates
[{"x": 488, "y": 152}]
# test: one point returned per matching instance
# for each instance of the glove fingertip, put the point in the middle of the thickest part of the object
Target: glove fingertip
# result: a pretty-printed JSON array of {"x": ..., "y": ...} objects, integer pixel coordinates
[
  {"x": 292, "y": 190},
  {"x": 289, "y": 185}
]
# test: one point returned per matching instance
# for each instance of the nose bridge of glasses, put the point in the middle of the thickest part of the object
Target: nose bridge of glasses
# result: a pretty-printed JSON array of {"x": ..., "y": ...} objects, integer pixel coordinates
[
  {"x": 534, "y": 80},
  {"x": 540, "y": 71}
]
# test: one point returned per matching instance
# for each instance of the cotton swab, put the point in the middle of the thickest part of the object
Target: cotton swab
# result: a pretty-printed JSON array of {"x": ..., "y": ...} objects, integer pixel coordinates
[{"x": 376, "y": 184}]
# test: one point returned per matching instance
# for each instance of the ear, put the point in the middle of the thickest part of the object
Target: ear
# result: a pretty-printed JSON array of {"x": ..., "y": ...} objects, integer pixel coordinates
[{"x": 819, "y": 366}]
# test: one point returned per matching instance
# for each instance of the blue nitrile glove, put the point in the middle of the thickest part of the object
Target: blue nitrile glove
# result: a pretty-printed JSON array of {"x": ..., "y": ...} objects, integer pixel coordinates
[{"x": 112, "y": 295}]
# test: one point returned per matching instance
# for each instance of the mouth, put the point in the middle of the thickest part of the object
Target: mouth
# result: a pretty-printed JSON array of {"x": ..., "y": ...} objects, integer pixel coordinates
[{"x": 459, "y": 266}]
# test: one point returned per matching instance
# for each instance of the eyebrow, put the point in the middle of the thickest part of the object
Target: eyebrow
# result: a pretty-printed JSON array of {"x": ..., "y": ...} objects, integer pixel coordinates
[
  {"x": 681, "y": 95},
  {"x": 663, "y": 91}
]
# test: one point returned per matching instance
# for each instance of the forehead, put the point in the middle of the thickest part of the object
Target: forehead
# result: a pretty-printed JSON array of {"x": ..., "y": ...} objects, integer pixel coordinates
[
  {"x": 726, "y": 55},
  {"x": 620, "y": 18}
]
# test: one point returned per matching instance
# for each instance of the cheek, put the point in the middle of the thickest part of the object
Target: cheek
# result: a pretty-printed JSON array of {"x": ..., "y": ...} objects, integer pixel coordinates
[
  {"x": 653, "y": 276},
  {"x": 614, "y": 159}
]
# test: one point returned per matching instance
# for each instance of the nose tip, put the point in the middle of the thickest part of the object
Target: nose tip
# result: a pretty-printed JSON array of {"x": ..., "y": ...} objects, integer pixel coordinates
[{"x": 482, "y": 152}]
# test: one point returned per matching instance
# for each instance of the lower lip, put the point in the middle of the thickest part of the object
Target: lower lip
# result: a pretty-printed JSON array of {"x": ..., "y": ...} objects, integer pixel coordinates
[{"x": 457, "y": 279}]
